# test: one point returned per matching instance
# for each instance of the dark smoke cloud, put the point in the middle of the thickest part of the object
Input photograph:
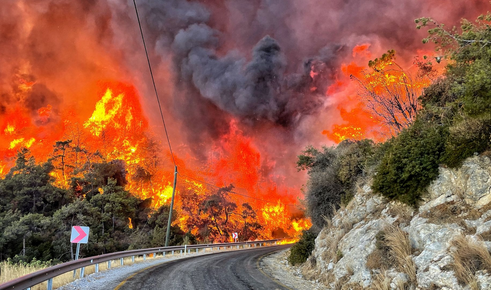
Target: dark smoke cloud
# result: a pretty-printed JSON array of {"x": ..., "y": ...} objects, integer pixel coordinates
[
  {"x": 271, "y": 60},
  {"x": 266, "y": 63},
  {"x": 260, "y": 89},
  {"x": 269, "y": 63}
]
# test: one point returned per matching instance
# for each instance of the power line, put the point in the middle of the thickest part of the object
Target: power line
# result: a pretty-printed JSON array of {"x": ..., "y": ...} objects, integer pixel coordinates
[
  {"x": 163, "y": 120},
  {"x": 153, "y": 82}
]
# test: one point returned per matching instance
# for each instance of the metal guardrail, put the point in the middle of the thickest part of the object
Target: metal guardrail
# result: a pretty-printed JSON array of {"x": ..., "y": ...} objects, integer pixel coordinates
[{"x": 29, "y": 280}]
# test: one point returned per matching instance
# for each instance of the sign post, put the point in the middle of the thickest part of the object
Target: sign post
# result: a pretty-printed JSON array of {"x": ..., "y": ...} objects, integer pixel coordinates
[
  {"x": 235, "y": 236},
  {"x": 80, "y": 235}
]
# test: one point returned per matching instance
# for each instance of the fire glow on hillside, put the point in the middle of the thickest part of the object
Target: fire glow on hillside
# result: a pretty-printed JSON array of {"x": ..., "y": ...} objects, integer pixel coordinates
[{"x": 240, "y": 104}]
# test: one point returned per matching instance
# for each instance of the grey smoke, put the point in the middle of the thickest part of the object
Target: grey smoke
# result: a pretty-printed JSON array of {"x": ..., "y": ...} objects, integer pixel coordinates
[{"x": 255, "y": 90}]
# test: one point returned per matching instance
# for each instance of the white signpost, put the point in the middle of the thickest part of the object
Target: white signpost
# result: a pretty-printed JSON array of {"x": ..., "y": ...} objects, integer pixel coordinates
[
  {"x": 80, "y": 235},
  {"x": 235, "y": 236}
]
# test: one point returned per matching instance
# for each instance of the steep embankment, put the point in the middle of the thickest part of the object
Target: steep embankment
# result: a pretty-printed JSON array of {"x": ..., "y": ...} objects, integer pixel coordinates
[{"x": 373, "y": 243}]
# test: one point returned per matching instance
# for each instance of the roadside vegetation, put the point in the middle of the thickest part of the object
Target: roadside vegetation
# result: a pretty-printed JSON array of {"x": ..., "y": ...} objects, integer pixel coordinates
[
  {"x": 11, "y": 270},
  {"x": 450, "y": 122},
  {"x": 303, "y": 248},
  {"x": 36, "y": 216}
]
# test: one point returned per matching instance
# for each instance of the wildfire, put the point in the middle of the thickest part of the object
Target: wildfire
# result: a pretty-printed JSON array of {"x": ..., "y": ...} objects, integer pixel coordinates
[
  {"x": 21, "y": 141},
  {"x": 106, "y": 109},
  {"x": 70, "y": 93},
  {"x": 9, "y": 130},
  {"x": 357, "y": 122},
  {"x": 117, "y": 130},
  {"x": 16, "y": 142}
]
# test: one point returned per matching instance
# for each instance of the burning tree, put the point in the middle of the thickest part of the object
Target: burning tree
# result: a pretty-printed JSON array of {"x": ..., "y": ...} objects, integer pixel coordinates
[
  {"x": 219, "y": 209},
  {"x": 391, "y": 93}
]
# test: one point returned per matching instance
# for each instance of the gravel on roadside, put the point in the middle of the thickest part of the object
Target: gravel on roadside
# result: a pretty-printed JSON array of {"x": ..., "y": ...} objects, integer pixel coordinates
[{"x": 277, "y": 267}]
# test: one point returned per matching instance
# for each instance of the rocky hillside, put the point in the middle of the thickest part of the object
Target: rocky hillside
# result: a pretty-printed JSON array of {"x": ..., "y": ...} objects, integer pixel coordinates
[{"x": 444, "y": 244}]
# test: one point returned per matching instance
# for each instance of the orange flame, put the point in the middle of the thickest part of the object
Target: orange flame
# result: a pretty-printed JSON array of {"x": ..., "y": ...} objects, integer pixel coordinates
[{"x": 117, "y": 129}]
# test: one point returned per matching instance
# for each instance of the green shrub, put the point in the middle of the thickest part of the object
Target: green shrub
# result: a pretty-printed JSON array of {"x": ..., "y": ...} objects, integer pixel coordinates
[
  {"x": 303, "y": 248},
  {"x": 333, "y": 173},
  {"x": 411, "y": 162},
  {"x": 353, "y": 159},
  {"x": 469, "y": 136}
]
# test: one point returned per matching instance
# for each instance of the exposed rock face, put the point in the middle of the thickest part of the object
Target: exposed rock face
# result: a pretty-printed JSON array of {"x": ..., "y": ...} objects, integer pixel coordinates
[
  {"x": 472, "y": 180},
  {"x": 355, "y": 250}
]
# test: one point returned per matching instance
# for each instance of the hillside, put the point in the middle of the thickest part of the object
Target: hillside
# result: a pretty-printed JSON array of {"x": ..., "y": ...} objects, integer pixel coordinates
[
  {"x": 377, "y": 244},
  {"x": 412, "y": 212}
]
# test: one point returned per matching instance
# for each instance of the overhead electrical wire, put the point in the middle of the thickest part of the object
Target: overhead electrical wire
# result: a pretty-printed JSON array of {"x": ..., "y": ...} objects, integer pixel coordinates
[
  {"x": 163, "y": 119},
  {"x": 153, "y": 82}
]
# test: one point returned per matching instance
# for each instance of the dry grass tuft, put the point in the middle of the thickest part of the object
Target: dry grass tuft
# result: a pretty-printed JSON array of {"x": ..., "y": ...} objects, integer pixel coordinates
[
  {"x": 380, "y": 257},
  {"x": 469, "y": 256},
  {"x": 341, "y": 282},
  {"x": 401, "y": 210},
  {"x": 381, "y": 282},
  {"x": 12, "y": 271},
  {"x": 400, "y": 251},
  {"x": 393, "y": 251},
  {"x": 452, "y": 212},
  {"x": 332, "y": 240}
]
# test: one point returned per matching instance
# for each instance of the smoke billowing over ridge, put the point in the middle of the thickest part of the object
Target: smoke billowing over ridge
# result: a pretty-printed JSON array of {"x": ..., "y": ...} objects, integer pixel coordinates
[{"x": 268, "y": 69}]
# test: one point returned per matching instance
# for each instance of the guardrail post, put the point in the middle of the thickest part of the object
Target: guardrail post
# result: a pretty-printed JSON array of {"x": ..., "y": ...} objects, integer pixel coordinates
[
  {"x": 180, "y": 252},
  {"x": 109, "y": 264},
  {"x": 82, "y": 272},
  {"x": 133, "y": 259},
  {"x": 172, "y": 252},
  {"x": 218, "y": 248},
  {"x": 121, "y": 261},
  {"x": 144, "y": 257},
  {"x": 185, "y": 249},
  {"x": 163, "y": 254},
  {"x": 50, "y": 284},
  {"x": 97, "y": 268},
  {"x": 154, "y": 255}
]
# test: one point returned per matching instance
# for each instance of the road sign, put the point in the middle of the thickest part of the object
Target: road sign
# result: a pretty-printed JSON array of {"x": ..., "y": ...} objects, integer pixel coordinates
[
  {"x": 235, "y": 235},
  {"x": 80, "y": 235}
]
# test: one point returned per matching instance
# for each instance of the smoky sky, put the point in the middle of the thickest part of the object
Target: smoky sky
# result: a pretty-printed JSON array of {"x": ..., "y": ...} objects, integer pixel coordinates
[
  {"x": 266, "y": 63},
  {"x": 271, "y": 61},
  {"x": 254, "y": 80}
]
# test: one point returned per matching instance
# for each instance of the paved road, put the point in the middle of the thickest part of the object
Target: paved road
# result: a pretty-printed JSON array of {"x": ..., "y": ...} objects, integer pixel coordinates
[{"x": 226, "y": 270}]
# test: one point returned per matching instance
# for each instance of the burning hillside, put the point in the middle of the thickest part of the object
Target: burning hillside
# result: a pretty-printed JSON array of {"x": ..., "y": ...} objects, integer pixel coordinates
[{"x": 245, "y": 85}]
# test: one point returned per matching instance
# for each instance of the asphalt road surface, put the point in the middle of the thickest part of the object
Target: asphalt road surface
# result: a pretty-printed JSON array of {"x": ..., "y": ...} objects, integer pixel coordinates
[{"x": 226, "y": 270}]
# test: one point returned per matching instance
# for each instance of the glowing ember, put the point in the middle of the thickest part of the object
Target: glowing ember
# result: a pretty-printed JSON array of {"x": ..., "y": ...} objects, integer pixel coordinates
[
  {"x": 9, "y": 130},
  {"x": 16, "y": 142}
]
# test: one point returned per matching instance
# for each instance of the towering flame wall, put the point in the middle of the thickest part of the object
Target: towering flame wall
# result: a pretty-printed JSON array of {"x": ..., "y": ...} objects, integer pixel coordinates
[{"x": 245, "y": 85}]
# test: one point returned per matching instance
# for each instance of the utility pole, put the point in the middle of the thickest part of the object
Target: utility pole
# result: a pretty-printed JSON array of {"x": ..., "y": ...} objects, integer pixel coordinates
[{"x": 171, "y": 206}]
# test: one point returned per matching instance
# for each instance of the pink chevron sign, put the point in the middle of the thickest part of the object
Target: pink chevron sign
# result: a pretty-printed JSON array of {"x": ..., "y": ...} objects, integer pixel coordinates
[{"x": 80, "y": 235}]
